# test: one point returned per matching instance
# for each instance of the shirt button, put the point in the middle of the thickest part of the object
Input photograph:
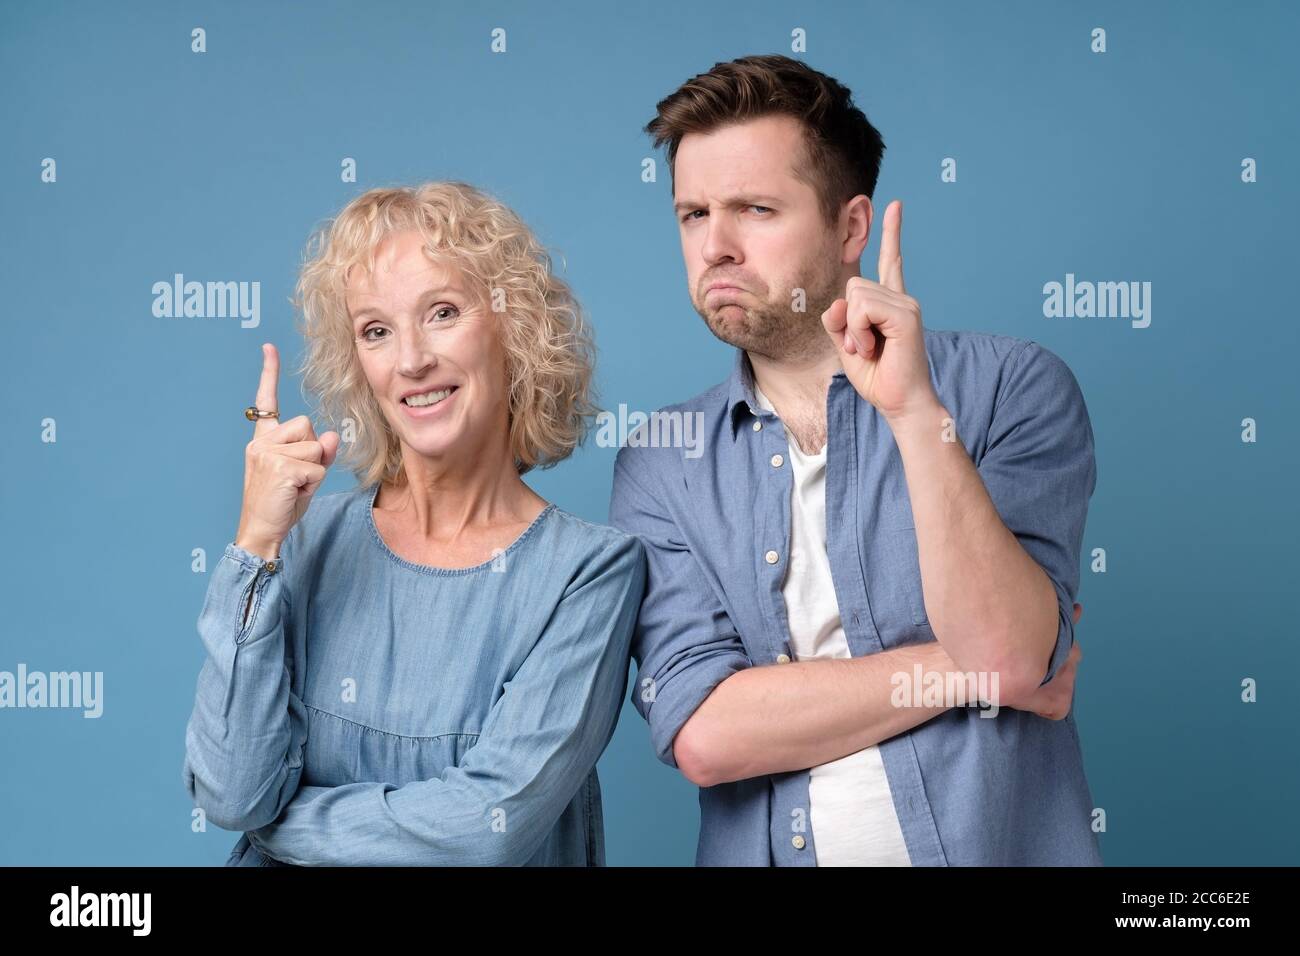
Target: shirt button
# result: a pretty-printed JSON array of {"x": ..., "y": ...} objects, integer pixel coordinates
[
  {"x": 798, "y": 842},
  {"x": 770, "y": 557},
  {"x": 270, "y": 567},
  {"x": 777, "y": 461},
  {"x": 783, "y": 658},
  {"x": 758, "y": 425}
]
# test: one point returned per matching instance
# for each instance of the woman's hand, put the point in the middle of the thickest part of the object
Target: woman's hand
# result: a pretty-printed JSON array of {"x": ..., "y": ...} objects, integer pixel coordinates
[{"x": 284, "y": 464}]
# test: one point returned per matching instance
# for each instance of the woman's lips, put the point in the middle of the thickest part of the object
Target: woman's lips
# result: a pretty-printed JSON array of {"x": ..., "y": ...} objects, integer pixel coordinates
[{"x": 429, "y": 411}]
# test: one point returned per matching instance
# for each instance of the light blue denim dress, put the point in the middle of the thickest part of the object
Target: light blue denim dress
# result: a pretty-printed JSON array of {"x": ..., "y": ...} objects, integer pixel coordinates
[{"x": 372, "y": 711}]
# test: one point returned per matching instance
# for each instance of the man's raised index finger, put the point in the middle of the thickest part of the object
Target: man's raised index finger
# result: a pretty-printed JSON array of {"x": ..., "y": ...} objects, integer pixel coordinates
[{"x": 890, "y": 266}]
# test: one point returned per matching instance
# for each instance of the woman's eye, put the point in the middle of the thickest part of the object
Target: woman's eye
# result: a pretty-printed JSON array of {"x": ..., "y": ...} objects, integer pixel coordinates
[
  {"x": 446, "y": 308},
  {"x": 366, "y": 334}
]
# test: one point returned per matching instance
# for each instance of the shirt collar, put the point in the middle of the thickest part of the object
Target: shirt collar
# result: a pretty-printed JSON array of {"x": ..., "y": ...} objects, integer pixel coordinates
[{"x": 741, "y": 398}]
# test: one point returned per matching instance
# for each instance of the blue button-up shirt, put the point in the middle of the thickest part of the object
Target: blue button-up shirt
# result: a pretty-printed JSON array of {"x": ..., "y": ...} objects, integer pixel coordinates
[{"x": 968, "y": 790}]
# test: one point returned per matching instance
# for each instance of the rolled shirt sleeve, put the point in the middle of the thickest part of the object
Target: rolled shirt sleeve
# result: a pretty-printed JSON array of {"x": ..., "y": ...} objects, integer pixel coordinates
[
  {"x": 684, "y": 643},
  {"x": 1040, "y": 470},
  {"x": 245, "y": 737},
  {"x": 541, "y": 740}
]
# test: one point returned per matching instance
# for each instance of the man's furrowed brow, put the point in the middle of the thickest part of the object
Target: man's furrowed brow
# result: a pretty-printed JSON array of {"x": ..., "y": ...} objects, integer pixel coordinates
[{"x": 731, "y": 202}]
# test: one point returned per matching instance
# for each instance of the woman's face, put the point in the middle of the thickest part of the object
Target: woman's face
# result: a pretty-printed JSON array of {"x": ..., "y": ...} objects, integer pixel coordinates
[{"x": 417, "y": 331}]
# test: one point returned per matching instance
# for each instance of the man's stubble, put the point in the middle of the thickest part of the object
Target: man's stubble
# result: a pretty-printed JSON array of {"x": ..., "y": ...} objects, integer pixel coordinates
[{"x": 772, "y": 327}]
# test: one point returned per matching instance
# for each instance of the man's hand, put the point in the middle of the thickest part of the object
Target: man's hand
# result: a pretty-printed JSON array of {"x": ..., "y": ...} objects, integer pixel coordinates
[
  {"x": 877, "y": 329},
  {"x": 1054, "y": 698}
]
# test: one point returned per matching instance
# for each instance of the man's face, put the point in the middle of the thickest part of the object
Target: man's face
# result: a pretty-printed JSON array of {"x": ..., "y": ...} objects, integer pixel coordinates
[{"x": 752, "y": 234}]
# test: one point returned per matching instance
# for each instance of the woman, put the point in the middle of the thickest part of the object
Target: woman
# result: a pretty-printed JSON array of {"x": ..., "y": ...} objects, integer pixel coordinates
[{"x": 423, "y": 670}]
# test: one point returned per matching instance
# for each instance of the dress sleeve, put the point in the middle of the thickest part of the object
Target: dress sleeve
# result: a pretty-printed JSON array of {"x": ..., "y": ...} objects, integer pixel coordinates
[
  {"x": 539, "y": 743},
  {"x": 245, "y": 737}
]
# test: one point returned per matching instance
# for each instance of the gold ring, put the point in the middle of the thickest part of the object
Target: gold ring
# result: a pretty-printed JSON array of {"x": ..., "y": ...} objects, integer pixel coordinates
[{"x": 253, "y": 413}]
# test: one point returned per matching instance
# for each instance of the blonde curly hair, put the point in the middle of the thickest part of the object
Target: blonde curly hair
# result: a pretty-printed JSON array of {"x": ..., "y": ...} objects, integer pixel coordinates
[{"x": 547, "y": 340}]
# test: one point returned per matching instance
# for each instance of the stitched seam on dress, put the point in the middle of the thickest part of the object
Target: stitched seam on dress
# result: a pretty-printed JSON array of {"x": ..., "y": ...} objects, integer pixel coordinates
[
  {"x": 247, "y": 594},
  {"x": 389, "y": 733},
  {"x": 586, "y": 817},
  {"x": 430, "y": 569}
]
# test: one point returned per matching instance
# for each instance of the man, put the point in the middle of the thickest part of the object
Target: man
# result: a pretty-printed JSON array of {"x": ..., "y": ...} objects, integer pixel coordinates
[{"x": 879, "y": 508}]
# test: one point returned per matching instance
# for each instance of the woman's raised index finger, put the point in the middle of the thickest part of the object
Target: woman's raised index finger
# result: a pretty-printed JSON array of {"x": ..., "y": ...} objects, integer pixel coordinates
[{"x": 266, "y": 388}]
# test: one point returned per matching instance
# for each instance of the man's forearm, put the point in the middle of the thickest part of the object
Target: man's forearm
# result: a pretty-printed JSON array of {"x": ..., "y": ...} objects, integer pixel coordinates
[
  {"x": 990, "y": 604},
  {"x": 779, "y": 717}
]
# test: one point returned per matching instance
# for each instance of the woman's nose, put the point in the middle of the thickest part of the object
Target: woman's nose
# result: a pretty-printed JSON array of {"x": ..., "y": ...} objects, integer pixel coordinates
[{"x": 414, "y": 356}]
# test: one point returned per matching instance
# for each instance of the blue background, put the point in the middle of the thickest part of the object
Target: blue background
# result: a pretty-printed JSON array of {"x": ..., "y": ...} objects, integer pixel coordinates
[{"x": 1116, "y": 166}]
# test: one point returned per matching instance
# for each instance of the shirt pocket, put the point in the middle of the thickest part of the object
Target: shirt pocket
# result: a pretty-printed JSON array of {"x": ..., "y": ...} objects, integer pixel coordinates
[{"x": 895, "y": 578}]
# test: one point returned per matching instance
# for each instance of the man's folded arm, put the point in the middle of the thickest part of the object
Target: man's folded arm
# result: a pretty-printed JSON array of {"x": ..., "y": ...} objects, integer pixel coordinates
[
  {"x": 683, "y": 643},
  {"x": 1040, "y": 470},
  {"x": 714, "y": 714}
]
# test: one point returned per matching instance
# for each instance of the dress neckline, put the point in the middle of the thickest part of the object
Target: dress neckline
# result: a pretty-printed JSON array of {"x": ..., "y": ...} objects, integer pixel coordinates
[{"x": 368, "y": 500}]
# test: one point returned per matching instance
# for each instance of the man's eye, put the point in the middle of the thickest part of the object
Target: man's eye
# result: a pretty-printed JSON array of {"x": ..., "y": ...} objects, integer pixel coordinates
[
  {"x": 763, "y": 208},
  {"x": 687, "y": 217}
]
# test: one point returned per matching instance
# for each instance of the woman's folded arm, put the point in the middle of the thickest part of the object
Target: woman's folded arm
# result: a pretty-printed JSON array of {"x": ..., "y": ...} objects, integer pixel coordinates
[
  {"x": 539, "y": 743},
  {"x": 245, "y": 737}
]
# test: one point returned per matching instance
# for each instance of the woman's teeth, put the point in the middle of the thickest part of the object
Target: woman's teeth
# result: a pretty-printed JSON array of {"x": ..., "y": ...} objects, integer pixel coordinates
[{"x": 428, "y": 398}]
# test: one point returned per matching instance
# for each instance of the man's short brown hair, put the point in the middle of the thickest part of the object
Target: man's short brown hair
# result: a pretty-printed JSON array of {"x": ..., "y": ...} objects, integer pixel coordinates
[{"x": 842, "y": 150}]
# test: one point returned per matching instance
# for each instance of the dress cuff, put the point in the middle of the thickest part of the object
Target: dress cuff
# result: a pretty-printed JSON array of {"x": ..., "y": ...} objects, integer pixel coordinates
[{"x": 254, "y": 562}]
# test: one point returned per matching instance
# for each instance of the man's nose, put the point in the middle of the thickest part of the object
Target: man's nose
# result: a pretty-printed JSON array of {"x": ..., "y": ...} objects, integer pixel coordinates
[{"x": 721, "y": 243}]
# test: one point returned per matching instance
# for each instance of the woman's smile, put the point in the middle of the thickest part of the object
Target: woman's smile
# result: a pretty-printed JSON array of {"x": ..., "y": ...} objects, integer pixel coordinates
[{"x": 433, "y": 408}]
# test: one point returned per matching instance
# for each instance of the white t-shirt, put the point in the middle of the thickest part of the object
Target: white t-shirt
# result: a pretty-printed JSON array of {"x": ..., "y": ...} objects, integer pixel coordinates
[{"x": 851, "y": 810}]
